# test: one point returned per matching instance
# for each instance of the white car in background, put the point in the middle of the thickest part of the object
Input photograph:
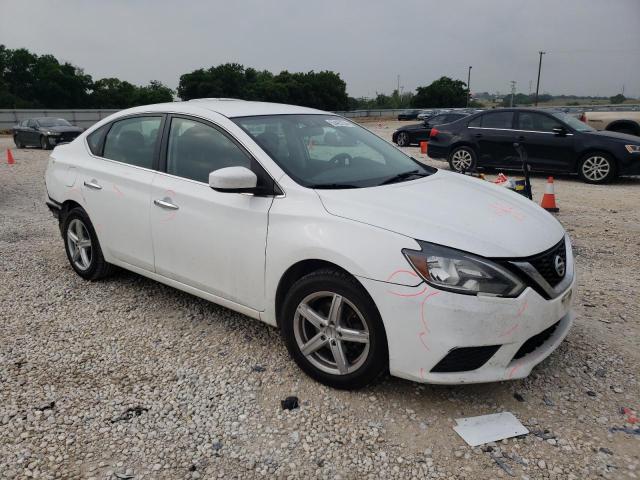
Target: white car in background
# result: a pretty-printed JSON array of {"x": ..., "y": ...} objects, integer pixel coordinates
[{"x": 366, "y": 259}]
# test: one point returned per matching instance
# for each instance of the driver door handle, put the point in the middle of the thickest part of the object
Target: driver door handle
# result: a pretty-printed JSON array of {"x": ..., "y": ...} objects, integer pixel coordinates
[
  {"x": 165, "y": 204},
  {"x": 93, "y": 185}
]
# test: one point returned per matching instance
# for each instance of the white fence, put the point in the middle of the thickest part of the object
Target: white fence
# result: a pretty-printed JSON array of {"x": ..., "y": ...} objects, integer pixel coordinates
[{"x": 86, "y": 118}]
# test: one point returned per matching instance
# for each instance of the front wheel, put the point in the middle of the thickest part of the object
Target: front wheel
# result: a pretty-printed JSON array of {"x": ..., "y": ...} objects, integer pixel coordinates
[
  {"x": 597, "y": 168},
  {"x": 462, "y": 159},
  {"x": 333, "y": 330},
  {"x": 402, "y": 139},
  {"x": 44, "y": 142}
]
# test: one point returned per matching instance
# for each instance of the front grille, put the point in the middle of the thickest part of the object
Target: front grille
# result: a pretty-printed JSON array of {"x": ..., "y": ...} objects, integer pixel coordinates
[
  {"x": 545, "y": 263},
  {"x": 536, "y": 341},
  {"x": 465, "y": 359}
]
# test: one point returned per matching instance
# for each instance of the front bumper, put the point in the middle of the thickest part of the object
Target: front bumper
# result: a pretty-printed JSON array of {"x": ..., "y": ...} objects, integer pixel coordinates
[{"x": 424, "y": 325}]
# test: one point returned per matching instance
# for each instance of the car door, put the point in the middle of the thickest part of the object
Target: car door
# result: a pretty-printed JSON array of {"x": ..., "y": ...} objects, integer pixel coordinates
[
  {"x": 494, "y": 136},
  {"x": 116, "y": 184},
  {"x": 210, "y": 240},
  {"x": 546, "y": 150},
  {"x": 31, "y": 134}
]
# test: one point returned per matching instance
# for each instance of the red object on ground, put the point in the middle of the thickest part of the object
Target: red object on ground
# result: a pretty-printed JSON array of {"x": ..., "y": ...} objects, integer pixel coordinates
[
  {"x": 549, "y": 197},
  {"x": 423, "y": 147},
  {"x": 10, "y": 159}
]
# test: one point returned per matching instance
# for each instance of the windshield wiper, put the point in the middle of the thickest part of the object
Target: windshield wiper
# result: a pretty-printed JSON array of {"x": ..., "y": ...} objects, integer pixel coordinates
[
  {"x": 404, "y": 176},
  {"x": 333, "y": 186}
]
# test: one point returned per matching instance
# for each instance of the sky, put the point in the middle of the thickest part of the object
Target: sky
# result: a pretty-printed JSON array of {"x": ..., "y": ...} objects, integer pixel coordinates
[{"x": 593, "y": 46}]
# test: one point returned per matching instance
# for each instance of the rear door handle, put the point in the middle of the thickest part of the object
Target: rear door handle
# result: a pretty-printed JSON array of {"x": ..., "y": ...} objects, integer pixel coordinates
[
  {"x": 165, "y": 204},
  {"x": 93, "y": 185},
  {"x": 477, "y": 135}
]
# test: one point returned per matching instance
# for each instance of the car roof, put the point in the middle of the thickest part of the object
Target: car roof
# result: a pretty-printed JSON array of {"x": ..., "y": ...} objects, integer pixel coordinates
[{"x": 230, "y": 107}]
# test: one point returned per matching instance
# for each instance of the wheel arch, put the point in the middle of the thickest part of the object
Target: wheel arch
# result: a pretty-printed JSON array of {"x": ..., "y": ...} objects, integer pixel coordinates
[
  {"x": 299, "y": 270},
  {"x": 624, "y": 124}
]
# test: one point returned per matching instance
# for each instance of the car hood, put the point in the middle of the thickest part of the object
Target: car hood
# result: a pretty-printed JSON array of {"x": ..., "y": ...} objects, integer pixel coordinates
[
  {"x": 616, "y": 135},
  {"x": 61, "y": 129},
  {"x": 453, "y": 210}
]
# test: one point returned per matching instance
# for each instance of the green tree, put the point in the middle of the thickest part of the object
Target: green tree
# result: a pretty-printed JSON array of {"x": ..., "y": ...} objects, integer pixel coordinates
[
  {"x": 619, "y": 98},
  {"x": 444, "y": 92}
]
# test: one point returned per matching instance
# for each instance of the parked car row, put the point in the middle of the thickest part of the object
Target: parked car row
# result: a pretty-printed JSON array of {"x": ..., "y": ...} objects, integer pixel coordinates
[
  {"x": 44, "y": 132},
  {"x": 555, "y": 142},
  {"x": 419, "y": 132}
]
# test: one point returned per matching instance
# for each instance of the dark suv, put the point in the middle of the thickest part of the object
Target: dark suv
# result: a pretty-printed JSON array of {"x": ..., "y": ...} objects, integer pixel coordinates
[{"x": 554, "y": 141}]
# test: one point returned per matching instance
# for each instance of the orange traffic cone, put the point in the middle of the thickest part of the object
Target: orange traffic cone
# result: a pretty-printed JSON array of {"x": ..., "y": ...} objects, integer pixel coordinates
[
  {"x": 10, "y": 159},
  {"x": 423, "y": 147},
  {"x": 549, "y": 197}
]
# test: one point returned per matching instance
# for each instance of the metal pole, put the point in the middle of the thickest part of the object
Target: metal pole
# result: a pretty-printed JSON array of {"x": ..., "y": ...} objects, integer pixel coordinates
[
  {"x": 539, "y": 69},
  {"x": 513, "y": 90},
  {"x": 469, "y": 85}
]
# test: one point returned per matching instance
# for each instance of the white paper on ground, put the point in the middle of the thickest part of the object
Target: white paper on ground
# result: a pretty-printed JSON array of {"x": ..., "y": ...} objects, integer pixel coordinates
[{"x": 489, "y": 428}]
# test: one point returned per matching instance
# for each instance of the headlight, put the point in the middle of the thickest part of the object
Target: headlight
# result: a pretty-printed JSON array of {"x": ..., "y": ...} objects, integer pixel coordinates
[
  {"x": 632, "y": 148},
  {"x": 462, "y": 272},
  {"x": 54, "y": 134}
]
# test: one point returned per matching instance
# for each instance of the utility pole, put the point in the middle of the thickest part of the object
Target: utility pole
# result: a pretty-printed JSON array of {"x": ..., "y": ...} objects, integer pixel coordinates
[
  {"x": 398, "y": 90},
  {"x": 539, "y": 69},
  {"x": 513, "y": 90},
  {"x": 469, "y": 85}
]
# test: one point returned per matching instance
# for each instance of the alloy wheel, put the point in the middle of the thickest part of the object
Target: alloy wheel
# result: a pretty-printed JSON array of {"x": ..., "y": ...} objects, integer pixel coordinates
[
  {"x": 403, "y": 139},
  {"x": 596, "y": 168},
  {"x": 461, "y": 160},
  {"x": 331, "y": 333},
  {"x": 79, "y": 243}
]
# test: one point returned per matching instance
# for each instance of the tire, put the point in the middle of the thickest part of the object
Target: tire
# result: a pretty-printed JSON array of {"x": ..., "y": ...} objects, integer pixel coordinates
[
  {"x": 44, "y": 143},
  {"x": 365, "y": 360},
  {"x": 403, "y": 139},
  {"x": 462, "y": 159},
  {"x": 87, "y": 261},
  {"x": 18, "y": 143},
  {"x": 597, "y": 168}
]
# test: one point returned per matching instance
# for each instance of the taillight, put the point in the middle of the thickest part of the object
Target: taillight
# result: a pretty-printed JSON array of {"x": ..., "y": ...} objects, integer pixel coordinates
[{"x": 434, "y": 132}]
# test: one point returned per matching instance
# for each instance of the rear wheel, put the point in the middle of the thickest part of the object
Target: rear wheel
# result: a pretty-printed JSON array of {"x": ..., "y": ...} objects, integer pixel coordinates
[
  {"x": 598, "y": 167},
  {"x": 333, "y": 330},
  {"x": 402, "y": 139},
  {"x": 82, "y": 246},
  {"x": 462, "y": 159}
]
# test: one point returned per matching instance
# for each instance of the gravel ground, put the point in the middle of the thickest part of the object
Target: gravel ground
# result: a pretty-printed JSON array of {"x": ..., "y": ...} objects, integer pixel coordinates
[{"x": 127, "y": 378}]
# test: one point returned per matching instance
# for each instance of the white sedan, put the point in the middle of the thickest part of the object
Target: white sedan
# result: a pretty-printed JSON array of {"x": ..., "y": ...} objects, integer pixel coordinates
[{"x": 366, "y": 259}]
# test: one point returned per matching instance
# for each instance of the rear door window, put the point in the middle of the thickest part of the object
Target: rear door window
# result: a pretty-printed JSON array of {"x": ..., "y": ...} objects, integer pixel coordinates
[
  {"x": 502, "y": 120},
  {"x": 133, "y": 141}
]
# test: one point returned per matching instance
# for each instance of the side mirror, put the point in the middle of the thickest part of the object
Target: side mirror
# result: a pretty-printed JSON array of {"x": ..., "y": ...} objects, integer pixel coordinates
[
  {"x": 233, "y": 180},
  {"x": 560, "y": 131}
]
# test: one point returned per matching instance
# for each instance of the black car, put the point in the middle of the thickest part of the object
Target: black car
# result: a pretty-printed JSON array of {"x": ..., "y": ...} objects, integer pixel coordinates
[
  {"x": 554, "y": 141},
  {"x": 419, "y": 132},
  {"x": 408, "y": 115},
  {"x": 44, "y": 132}
]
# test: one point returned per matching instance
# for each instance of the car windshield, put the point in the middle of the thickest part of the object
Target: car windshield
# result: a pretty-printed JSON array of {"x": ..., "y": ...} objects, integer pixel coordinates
[
  {"x": 326, "y": 151},
  {"x": 53, "y": 122},
  {"x": 573, "y": 122}
]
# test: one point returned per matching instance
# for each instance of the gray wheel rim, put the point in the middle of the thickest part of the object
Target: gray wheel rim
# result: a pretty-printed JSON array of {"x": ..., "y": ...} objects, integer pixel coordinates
[
  {"x": 402, "y": 139},
  {"x": 596, "y": 168},
  {"x": 461, "y": 160},
  {"x": 331, "y": 333},
  {"x": 79, "y": 243}
]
